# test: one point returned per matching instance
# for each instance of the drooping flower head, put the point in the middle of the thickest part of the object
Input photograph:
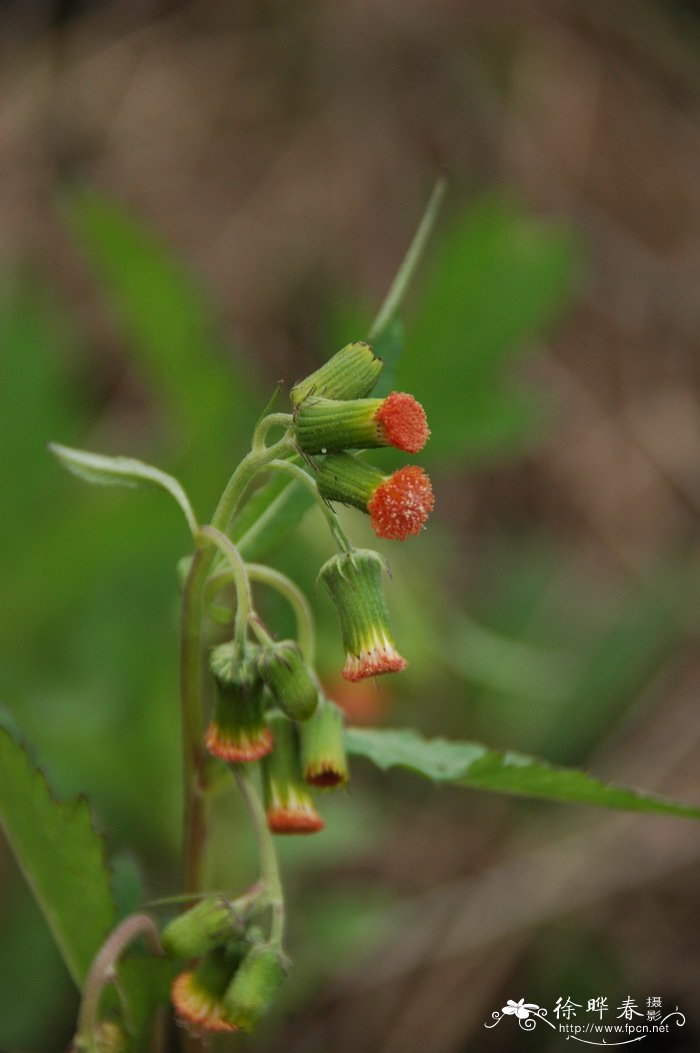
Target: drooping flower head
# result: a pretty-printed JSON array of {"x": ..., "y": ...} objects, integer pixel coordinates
[
  {"x": 354, "y": 581},
  {"x": 237, "y": 730},
  {"x": 200, "y": 929},
  {"x": 282, "y": 668},
  {"x": 255, "y": 985},
  {"x": 198, "y": 994},
  {"x": 327, "y": 425},
  {"x": 350, "y": 374},
  {"x": 288, "y": 804},
  {"x": 323, "y": 760},
  {"x": 398, "y": 505}
]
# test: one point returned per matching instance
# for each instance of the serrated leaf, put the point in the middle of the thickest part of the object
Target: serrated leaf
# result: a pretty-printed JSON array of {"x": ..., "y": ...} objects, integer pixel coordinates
[
  {"x": 472, "y": 765},
  {"x": 269, "y": 515},
  {"x": 61, "y": 856},
  {"x": 122, "y": 471}
]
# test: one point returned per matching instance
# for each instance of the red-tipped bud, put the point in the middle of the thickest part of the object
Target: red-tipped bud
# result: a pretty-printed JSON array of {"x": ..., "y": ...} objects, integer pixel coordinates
[
  {"x": 398, "y": 504},
  {"x": 198, "y": 995},
  {"x": 354, "y": 581},
  {"x": 237, "y": 730},
  {"x": 323, "y": 760},
  {"x": 326, "y": 425},
  {"x": 350, "y": 374},
  {"x": 288, "y": 804}
]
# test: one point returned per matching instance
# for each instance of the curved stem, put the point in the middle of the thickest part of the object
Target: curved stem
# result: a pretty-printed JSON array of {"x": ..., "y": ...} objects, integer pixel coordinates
[
  {"x": 272, "y": 420},
  {"x": 297, "y": 600},
  {"x": 269, "y": 870},
  {"x": 239, "y": 575},
  {"x": 298, "y": 473},
  {"x": 103, "y": 972},
  {"x": 243, "y": 476}
]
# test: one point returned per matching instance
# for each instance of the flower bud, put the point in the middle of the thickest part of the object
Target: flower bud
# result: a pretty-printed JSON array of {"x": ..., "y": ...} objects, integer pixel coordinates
[
  {"x": 282, "y": 668},
  {"x": 323, "y": 759},
  {"x": 354, "y": 581},
  {"x": 288, "y": 803},
  {"x": 350, "y": 374},
  {"x": 398, "y": 504},
  {"x": 325, "y": 425},
  {"x": 254, "y": 986},
  {"x": 198, "y": 994},
  {"x": 237, "y": 731},
  {"x": 201, "y": 928}
]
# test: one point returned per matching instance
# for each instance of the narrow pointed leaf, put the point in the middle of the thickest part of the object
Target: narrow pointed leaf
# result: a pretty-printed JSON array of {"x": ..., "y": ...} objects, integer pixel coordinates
[
  {"x": 61, "y": 856},
  {"x": 270, "y": 513},
  {"x": 477, "y": 767},
  {"x": 122, "y": 471}
]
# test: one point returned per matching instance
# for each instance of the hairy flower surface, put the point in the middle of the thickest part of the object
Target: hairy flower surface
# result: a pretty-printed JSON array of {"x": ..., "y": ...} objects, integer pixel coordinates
[
  {"x": 398, "y": 504},
  {"x": 328, "y": 425}
]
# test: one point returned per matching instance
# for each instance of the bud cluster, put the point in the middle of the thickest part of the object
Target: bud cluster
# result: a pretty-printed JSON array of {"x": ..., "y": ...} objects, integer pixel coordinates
[{"x": 268, "y": 708}]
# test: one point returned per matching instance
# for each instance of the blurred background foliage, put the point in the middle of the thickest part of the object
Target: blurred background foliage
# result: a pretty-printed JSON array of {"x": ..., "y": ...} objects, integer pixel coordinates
[{"x": 199, "y": 200}]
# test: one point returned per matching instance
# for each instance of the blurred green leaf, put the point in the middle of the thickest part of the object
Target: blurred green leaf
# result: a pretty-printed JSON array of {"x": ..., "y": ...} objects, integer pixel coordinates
[
  {"x": 269, "y": 515},
  {"x": 389, "y": 347},
  {"x": 169, "y": 329},
  {"x": 146, "y": 983},
  {"x": 122, "y": 471},
  {"x": 473, "y": 765},
  {"x": 496, "y": 281},
  {"x": 60, "y": 855}
]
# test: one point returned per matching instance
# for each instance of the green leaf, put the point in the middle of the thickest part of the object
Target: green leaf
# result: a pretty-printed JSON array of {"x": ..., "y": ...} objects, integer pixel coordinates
[
  {"x": 389, "y": 347},
  {"x": 60, "y": 855},
  {"x": 269, "y": 515},
  {"x": 122, "y": 471},
  {"x": 473, "y": 765},
  {"x": 497, "y": 280}
]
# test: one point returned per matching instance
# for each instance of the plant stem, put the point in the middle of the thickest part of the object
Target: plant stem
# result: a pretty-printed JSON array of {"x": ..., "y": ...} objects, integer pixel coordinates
[
  {"x": 273, "y": 420},
  {"x": 409, "y": 265},
  {"x": 298, "y": 473},
  {"x": 238, "y": 574},
  {"x": 297, "y": 600},
  {"x": 269, "y": 870},
  {"x": 103, "y": 972}
]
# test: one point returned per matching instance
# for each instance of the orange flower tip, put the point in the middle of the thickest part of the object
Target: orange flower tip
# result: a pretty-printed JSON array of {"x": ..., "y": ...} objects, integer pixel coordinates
[
  {"x": 373, "y": 663},
  {"x": 401, "y": 504},
  {"x": 403, "y": 422},
  {"x": 238, "y": 750},
  {"x": 294, "y": 821},
  {"x": 325, "y": 778},
  {"x": 196, "y": 1009}
]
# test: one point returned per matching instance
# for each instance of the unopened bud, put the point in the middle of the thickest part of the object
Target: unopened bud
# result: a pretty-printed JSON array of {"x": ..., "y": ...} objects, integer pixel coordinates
[
  {"x": 323, "y": 760},
  {"x": 237, "y": 731},
  {"x": 350, "y": 374},
  {"x": 282, "y": 667},
  {"x": 288, "y": 804},
  {"x": 201, "y": 928},
  {"x": 354, "y": 581},
  {"x": 198, "y": 994},
  {"x": 254, "y": 986}
]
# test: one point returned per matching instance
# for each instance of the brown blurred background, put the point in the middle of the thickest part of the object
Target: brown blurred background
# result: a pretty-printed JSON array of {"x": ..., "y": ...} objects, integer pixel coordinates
[{"x": 285, "y": 151}]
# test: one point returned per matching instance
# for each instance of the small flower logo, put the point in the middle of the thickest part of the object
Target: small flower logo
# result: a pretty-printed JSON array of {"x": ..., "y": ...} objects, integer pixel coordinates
[{"x": 521, "y": 1009}]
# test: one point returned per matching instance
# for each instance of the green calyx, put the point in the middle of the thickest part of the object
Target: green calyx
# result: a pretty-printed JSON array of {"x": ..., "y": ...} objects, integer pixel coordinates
[
  {"x": 325, "y": 425},
  {"x": 323, "y": 759},
  {"x": 234, "y": 664},
  {"x": 282, "y": 667},
  {"x": 200, "y": 929},
  {"x": 347, "y": 479},
  {"x": 254, "y": 986},
  {"x": 354, "y": 581},
  {"x": 350, "y": 374}
]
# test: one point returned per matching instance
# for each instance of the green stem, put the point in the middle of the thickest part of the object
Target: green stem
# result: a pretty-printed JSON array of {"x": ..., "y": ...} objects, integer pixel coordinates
[
  {"x": 269, "y": 870},
  {"x": 297, "y": 600},
  {"x": 192, "y": 662},
  {"x": 298, "y": 473},
  {"x": 272, "y": 420},
  {"x": 239, "y": 575},
  {"x": 103, "y": 972},
  {"x": 407, "y": 270}
]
